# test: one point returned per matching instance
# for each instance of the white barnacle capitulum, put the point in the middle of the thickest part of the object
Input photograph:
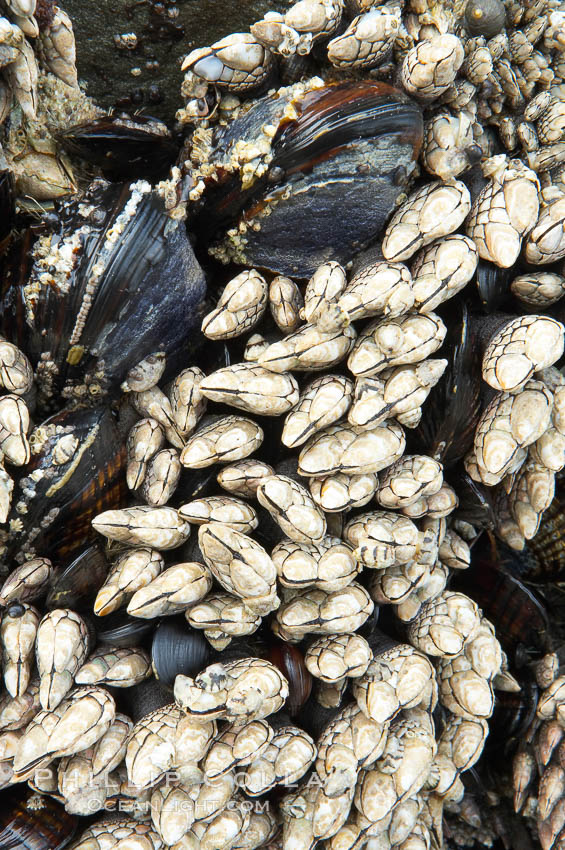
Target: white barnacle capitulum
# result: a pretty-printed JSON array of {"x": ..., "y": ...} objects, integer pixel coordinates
[
  {"x": 382, "y": 538},
  {"x": 17, "y": 636},
  {"x": 224, "y": 439},
  {"x": 430, "y": 67},
  {"x": 328, "y": 564},
  {"x": 333, "y": 657},
  {"x": 316, "y": 611},
  {"x": 309, "y": 349},
  {"x": 449, "y": 146},
  {"x": 443, "y": 625},
  {"x": 368, "y": 40},
  {"x": 293, "y": 508},
  {"x": 145, "y": 439},
  {"x": 287, "y": 757},
  {"x": 133, "y": 569},
  {"x": 223, "y": 509},
  {"x": 222, "y": 616},
  {"x": 435, "y": 210},
  {"x": 188, "y": 405},
  {"x": 237, "y": 62},
  {"x": 143, "y": 525},
  {"x": 172, "y": 591},
  {"x": 442, "y": 270},
  {"x": 61, "y": 648},
  {"x": 398, "y": 677},
  {"x": 396, "y": 342},
  {"x": 241, "y": 305},
  {"x": 322, "y": 402},
  {"x": 238, "y": 691},
  {"x": 16, "y": 373},
  {"x": 252, "y": 388},
  {"x": 546, "y": 240},
  {"x": 240, "y": 565},
  {"x": 27, "y": 582},
  {"x": 285, "y": 303},
  {"x": 524, "y": 345},
  {"x": 352, "y": 450},
  {"x": 298, "y": 30},
  {"x": 121, "y": 667},
  {"x": 504, "y": 211},
  {"x": 14, "y": 426},
  {"x": 74, "y": 725}
]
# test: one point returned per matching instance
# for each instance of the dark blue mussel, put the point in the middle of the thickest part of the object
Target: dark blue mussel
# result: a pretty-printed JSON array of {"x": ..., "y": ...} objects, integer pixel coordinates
[
  {"x": 124, "y": 147},
  {"x": 77, "y": 470},
  {"x": 7, "y": 210},
  {"x": 452, "y": 411},
  {"x": 116, "y": 281},
  {"x": 325, "y": 187}
]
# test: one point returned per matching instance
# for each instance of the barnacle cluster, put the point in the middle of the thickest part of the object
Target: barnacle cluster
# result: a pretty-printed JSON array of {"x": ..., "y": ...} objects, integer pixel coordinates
[{"x": 235, "y": 611}]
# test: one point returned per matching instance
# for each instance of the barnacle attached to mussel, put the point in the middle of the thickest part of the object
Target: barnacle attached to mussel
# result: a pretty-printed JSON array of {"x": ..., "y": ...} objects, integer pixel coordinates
[
  {"x": 93, "y": 307},
  {"x": 306, "y": 176},
  {"x": 76, "y": 469}
]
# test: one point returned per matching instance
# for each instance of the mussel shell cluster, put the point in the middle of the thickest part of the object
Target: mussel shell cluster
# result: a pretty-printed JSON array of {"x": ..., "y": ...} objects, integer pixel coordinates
[{"x": 333, "y": 175}]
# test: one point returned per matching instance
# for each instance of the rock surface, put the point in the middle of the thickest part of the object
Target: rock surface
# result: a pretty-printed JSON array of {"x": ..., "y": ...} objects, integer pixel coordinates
[{"x": 129, "y": 53}]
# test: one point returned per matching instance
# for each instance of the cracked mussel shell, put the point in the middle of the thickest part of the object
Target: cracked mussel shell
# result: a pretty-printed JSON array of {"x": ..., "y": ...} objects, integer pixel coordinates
[
  {"x": 328, "y": 182},
  {"x": 94, "y": 305}
]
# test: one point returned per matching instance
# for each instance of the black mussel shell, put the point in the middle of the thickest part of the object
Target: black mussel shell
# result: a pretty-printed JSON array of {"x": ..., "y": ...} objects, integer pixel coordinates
[
  {"x": 475, "y": 505},
  {"x": 96, "y": 302},
  {"x": 32, "y": 822},
  {"x": 140, "y": 699},
  {"x": 290, "y": 662},
  {"x": 178, "y": 648},
  {"x": 196, "y": 484},
  {"x": 76, "y": 471},
  {"x": 518, "y": 616},
  {"x": 314, "y": 718},
  {"x": 513, "y": 715},
  {"x": 119, "y": 629},
  {"x": 7, "y": 207},
  {"x": 335, "y": 174},
  {"x": 75, "y": 585},
  {"x": 453, "y": 407},
  {"x": 268, "y": 532},
  {"x": 125, "y": 147},
  {"x": 493, "y": 285}
]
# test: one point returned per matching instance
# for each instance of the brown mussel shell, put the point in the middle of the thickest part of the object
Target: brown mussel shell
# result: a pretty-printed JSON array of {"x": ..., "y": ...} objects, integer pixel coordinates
[
  {"x": 520, "y": 619},
  {"x": 32, "y": 822},
  {"x": 290, "y": 661}
]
